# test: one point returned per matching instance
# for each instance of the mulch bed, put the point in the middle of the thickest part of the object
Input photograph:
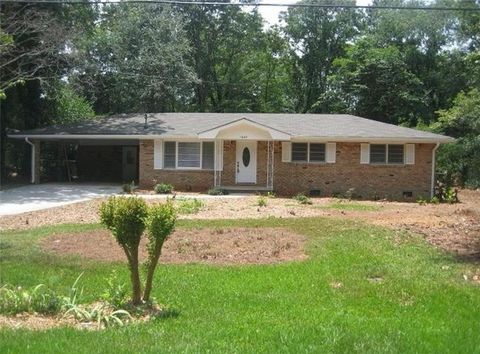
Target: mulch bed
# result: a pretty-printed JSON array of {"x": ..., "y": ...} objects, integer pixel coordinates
[{"x": 226, "y": 246}]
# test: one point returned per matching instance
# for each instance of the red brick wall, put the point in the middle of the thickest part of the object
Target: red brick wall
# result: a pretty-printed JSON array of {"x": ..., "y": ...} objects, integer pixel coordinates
[
  {"x": 194, "y": 180},
  {"x": 367, "y": 181}
]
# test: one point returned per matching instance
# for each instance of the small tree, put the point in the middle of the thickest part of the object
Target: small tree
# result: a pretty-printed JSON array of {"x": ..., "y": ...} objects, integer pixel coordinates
[
  {"x": 160, "y": 224},
  {"x": 125, "y": 218}
]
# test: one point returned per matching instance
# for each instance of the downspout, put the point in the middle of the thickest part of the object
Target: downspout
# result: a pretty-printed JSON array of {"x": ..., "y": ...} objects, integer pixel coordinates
[
  {"x": 33, "y": 160},
  {"x": 432, "y": 186}
]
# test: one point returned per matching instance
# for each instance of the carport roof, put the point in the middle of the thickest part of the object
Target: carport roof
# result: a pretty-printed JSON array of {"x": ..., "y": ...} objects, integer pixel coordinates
[{"x": 339, "y": 127}]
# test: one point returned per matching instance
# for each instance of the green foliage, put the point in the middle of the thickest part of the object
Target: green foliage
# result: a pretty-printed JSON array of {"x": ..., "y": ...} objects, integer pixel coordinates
[
  {"x": 459, "y": 163},
  {"x": 189, "y": 206},
  {"x": 115, "y": 293},
  {"x": 125, "y": 218},
  {"x": 14, "y": 300},
  {"x": 445, "y": 193},
  {"x": 128, "y": 187},
  {"x": 160, "y": 224},
  {"x": 271, "y": 194},
  {"x": 163, "y": 188},
  {"x": 217, "y": 191},
  {"x": 262, "y": 201},
  {"x": 67, "y": 106},
  {"x": 302, "y": 199}
]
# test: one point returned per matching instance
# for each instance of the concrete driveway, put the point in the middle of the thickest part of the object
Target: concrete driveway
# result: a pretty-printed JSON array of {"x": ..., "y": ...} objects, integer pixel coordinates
[{"x": 43, "y": 196}]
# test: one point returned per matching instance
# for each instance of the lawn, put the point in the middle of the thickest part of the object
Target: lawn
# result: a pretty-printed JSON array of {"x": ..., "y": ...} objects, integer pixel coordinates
[{"x": 363, "y": 289}]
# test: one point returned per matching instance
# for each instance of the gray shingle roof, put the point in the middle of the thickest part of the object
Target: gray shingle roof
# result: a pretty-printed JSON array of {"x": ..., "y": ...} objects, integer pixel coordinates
[{"x": 330, "y": 126}]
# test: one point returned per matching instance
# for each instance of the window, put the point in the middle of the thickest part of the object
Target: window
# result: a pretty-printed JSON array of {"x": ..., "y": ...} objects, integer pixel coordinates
[
  {"x": 306, "y": 152},
  {"x": 317, "y": 153},
  {"x": 299, "y": 152},
  {"x": 378, "y": 153},
  {"x": 208, "y": 158},
  {"x": 170, "y": 153},
  {"x": 389, "y": 154},
  {"x": 395, "y": 153},
  {"x": 189, "y": 155}
]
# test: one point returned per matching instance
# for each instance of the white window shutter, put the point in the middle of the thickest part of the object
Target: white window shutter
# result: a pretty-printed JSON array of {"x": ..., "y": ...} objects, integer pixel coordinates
[
  {"x": 410, "y": 154},
  {"x": 219, "y": 155},
  {"x": 331, "y": 152},
  {"x": 157, "y": 154},
  {"x": 286, "y": 152},
  {"x": 364, "y": 153}
]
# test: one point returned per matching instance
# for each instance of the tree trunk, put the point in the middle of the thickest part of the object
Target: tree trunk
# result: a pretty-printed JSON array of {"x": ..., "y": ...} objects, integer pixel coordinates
[
  {"x": 135, "y": 277},
  {"x": 151, "y": 270}
]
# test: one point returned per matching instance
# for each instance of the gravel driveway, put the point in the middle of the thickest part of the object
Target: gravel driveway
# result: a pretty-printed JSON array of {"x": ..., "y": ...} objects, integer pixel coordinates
[{"x": 49, "y": 195}]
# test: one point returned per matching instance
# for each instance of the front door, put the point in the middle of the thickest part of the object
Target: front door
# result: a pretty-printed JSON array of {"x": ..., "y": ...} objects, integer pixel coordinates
[
  {"x": 129, "y": 163},
  {"x": 246, "y": 162}
]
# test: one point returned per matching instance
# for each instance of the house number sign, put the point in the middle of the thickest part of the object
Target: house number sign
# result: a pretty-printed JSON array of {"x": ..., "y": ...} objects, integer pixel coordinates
[{"x": 243, "y": 136}]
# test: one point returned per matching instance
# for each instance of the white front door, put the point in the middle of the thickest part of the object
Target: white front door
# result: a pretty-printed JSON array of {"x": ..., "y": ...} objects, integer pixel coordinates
[{"x": 246, "y": 163}]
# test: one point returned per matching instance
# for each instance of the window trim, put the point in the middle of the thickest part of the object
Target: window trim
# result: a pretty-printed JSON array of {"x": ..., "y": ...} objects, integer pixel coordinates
[
  {"x": 308, "y": 154},
  {"x": 386, "y": 156},
  {"x": 176, "y": 155}
]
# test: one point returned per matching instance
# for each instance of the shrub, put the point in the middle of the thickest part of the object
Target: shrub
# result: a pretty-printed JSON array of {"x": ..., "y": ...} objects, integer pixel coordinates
[
  {"x": 124, "y": 217},
  {"x": 163, "y": 188},
  {"x": 217, "y": 191},
  {"x": 39, "y": 299},
  {"x": 262, "y": 201},
  {"x": 302, "y": 199},
  {"x": 271, "y": 194},
  {"x": 115, "y": 294},
  {"x": 446, "y": 193},
  {"x": 160, "y": 224},
  {"x": 128, "y": 187},
  {"x": 189, "y": 206}
]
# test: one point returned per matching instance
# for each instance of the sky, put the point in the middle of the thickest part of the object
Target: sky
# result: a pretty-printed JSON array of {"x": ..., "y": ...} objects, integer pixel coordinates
[{"x": 270, "y": 13}]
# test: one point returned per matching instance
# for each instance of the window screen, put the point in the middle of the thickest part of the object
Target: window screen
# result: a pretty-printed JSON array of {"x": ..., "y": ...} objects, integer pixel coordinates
[
  {"x": 378, "y": 153},
  {"x": 189, "y": 155},
  {"x": 395, "y": 153},
  {"x": 169, "y": 154},
  {"x": 208, "y": 150},
  {"x": 317, "y": 152},
  {"x": 299, "y": 151}
]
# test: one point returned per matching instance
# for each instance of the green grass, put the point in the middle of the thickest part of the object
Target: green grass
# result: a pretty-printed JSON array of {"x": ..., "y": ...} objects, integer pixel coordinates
[
  {"x": 352, "y": 206},
  {"x": 422, "y": 304}
]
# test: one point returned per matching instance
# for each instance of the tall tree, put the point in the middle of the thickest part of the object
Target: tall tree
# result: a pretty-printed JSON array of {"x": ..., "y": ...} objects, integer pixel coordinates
[
  {"x": 137, "y": 60},
  {"x": 318, "y": 36}
]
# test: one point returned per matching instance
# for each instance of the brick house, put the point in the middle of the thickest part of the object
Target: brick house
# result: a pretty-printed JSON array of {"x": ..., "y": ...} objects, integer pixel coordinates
[{"x": 318, "y": 154}]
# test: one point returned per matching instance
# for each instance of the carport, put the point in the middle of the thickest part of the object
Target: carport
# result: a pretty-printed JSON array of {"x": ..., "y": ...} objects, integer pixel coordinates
[{"x": 82, "y": 159}]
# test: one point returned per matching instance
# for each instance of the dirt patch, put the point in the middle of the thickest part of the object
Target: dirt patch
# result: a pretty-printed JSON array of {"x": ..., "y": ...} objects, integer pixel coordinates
[
  {"x": 216, "y": 246},
  {"x": 35, "y": 322},
  {"x": 452, "y": 227}
]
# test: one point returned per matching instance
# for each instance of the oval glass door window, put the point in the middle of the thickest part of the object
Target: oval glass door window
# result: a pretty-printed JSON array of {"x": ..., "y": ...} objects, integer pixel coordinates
[{"x": 246, "y": 157}]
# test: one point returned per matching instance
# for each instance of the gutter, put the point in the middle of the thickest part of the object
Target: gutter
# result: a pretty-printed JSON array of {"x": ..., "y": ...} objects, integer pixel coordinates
[
  {"x": 32, "y": 180},
  {"x": 432, "y": 186}
]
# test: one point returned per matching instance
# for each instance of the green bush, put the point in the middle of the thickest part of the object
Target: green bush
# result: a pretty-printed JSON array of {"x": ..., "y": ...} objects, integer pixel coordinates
[
  {"x": 302, "y": 199},
  {"x": 163, "y": 188},
  {"x": 125, "y": 218},
  {"x": 128, "y": 187},
  {"x": 39, "y": 299},
  {"x": 217, "y": 191},
  {"x": 262, "y": 201},
  {"x": 189, "y": 206},
  {"x": 115, "y": 294}
]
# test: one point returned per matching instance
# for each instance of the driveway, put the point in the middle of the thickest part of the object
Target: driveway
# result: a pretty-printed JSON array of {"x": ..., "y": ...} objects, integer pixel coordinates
[{"x": 43, "y": 196}]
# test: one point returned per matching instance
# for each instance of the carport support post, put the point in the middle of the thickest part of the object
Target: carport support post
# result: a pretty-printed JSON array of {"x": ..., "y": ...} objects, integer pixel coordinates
[{"x": 35, "y": 161}]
